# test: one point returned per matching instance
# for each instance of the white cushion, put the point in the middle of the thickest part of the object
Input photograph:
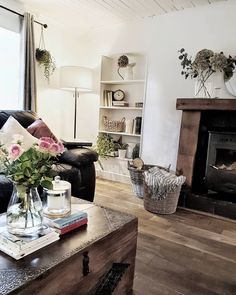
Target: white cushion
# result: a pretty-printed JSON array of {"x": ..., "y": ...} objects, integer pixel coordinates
[{"x": 11, "y": 127}]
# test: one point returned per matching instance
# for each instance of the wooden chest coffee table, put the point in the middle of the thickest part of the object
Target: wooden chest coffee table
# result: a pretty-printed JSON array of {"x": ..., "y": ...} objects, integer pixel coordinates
[{"x": 97, "y": 259}]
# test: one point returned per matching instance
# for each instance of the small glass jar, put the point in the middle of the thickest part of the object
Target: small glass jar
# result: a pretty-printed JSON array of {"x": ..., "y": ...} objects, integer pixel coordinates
[{"x": 58, "y": 200}]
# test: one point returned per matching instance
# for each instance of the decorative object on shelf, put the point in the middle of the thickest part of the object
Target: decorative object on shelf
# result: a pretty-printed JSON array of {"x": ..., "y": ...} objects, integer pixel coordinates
[
  {"x": 130, "y": 149},
  {"x": 105, "y": 147},
  {"x": 129, "y": 126},
  {"x": 135, "y": 153},
  {"x": 113, "y": 125},
  {"x": 28, "y": 169},
  {"x": 58, "y": 200},
  {"x": 122, "y": 148},
  {"x": 129, "y": 74},
  {"x": 78, "y": 79},
  {"x": 205, "y": 64},
  {"x": 119, "y": 95},
  {"x": 120, "y": 103},
  {"x": 44, "y": 58},
  {"x": 123, "y": 62},
  {"x": 137, "y": 125},
  {"x": 139, "y": 104}
]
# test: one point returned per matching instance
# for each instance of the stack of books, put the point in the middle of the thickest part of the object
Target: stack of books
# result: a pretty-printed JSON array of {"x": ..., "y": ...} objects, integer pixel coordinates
[
  {"x": 18, "y": 247},
  {"x": 121, "y": 103},
  {"x": 68, "y": 223},
  {"x": 107, "y": 98}
]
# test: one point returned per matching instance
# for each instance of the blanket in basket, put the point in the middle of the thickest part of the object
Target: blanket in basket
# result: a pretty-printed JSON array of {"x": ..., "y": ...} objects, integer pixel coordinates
[{"x": 161, "y": 182}]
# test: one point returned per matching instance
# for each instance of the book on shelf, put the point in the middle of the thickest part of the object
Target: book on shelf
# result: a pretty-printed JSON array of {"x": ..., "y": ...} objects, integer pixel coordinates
[
  {"x": 137, "y": 125},
  {"x": 71, "y": 226},
  {"x": 61, "y": 222},
  {"x": 120, "y": 103},
  {"x": 18, "y": 247},
  {"x": 107, "y": 98}
]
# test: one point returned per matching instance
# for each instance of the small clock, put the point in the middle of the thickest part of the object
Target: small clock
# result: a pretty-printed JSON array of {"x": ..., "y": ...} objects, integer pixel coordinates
[{"x": 119, "y": 95}]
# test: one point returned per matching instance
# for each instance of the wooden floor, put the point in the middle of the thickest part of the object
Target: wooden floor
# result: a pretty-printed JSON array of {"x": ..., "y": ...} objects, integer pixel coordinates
[{"x": 185, "y": 253}]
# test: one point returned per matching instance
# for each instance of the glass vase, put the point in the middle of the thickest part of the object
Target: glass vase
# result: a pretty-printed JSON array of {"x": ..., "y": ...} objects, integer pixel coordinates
[
  {"x": 203, "y": 89},
  {"x": 24, "y": 212}
]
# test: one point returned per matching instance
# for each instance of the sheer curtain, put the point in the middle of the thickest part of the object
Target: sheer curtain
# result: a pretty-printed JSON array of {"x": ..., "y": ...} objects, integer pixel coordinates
[{"x": 29, "y": 94}]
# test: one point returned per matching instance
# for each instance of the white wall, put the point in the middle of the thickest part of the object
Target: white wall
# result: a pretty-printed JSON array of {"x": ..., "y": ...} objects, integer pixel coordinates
[
  {"x": 56, "y": 107},
  {"x": 160, "y": 38}
]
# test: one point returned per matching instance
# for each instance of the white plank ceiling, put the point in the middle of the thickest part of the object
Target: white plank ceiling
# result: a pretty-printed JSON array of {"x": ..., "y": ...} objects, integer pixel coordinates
[{"x": 83, "y": 15}]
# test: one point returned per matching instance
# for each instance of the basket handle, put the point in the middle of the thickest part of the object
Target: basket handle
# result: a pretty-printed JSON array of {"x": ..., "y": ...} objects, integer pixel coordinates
[
  {"x": 123, "y": 120},
  {"x": 104, "y": 118}
]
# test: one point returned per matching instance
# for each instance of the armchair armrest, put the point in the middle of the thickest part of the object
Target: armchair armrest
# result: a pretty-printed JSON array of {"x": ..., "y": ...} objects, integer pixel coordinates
[{"x": 78, "y": 157}]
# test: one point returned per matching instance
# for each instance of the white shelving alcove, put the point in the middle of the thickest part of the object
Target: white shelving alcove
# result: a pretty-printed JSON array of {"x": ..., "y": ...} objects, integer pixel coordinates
[{"x": 131, "y": 108}]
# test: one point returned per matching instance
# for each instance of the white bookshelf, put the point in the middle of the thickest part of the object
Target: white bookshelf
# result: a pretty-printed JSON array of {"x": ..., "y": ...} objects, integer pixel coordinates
[{"x": 116, "y": 168}]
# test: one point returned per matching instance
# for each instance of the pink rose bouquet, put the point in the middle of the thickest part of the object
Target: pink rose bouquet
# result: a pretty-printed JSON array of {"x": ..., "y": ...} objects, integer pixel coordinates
[{"x": 32, "y": 167}]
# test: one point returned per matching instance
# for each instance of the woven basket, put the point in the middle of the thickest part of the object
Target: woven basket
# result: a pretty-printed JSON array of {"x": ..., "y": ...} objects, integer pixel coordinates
[
  {"x": 164, "y": 206},
  {"x": 137, "y": 179},
  {"x": 113, "y": 126}
]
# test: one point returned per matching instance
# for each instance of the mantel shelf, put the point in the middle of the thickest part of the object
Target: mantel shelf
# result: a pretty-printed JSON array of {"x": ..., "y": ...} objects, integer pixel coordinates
[
  {"x": 121, "y": 108},
  {"x": 123, "y": 82},
  {"x": 204, "y": 104}
]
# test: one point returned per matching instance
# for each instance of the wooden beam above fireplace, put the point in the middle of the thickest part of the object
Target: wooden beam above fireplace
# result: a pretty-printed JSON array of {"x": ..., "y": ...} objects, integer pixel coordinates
[{"x": 204, "y": 104}]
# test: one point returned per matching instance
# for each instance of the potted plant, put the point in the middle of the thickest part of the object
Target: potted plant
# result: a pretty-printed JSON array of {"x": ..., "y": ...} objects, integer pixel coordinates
[
  {"x": 45, "y": 60},
  {"x": 122, "y": 147},
  {"x": 105, "y": 147}
]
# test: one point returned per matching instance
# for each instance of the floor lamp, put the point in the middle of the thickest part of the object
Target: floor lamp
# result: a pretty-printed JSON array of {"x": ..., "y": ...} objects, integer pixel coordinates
[{"x": 78, "y": 79}]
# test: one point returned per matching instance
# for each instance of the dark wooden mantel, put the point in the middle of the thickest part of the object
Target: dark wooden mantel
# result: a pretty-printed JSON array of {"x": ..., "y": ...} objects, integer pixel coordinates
[
  {"x": 192, "y": 109},
  {"x": 203, "y": 104}
]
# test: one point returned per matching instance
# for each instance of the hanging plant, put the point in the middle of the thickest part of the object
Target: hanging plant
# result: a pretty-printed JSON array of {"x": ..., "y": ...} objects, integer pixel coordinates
[{"x": 44, "y": 58}]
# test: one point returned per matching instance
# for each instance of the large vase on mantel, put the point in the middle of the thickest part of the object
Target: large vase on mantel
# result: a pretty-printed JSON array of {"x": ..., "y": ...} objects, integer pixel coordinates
[
  {"x": 25, "y": 211},
  {"x": 213, "y": 87}
]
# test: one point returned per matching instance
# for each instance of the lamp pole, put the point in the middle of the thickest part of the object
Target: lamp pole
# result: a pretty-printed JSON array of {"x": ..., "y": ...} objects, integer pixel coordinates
[{"x": 75, "y": 114}]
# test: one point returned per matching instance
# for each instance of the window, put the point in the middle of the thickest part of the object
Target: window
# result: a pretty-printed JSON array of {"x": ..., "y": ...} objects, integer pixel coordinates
[{"x": 9, "y": 69}]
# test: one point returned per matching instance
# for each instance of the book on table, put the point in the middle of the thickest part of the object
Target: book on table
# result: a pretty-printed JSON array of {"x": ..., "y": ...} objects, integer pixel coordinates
[
  {"x": 65, "y": 224},
  {"x": 73, "y": 226},
  {"x": 18, "y": 247}
]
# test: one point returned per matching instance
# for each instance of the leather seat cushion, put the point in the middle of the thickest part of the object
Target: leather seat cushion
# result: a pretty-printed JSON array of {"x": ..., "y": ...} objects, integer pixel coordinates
[{"x": 78, "y": 157}]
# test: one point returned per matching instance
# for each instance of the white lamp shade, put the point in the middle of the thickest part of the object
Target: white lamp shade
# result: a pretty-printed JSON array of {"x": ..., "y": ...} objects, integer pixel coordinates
[{"x": 72, "y": 77}]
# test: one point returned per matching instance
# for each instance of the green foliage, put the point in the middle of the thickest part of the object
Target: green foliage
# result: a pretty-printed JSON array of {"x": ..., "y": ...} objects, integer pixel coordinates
[
  {"x": 45, "y": 60},
  {"x": 31, "y": 169},
  {"x": 104, "y": 145},
  {"x": 122, "y": 146}
]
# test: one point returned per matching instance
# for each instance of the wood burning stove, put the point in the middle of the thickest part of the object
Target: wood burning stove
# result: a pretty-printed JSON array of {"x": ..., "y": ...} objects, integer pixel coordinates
[
  {"x": 207, "y": 155},
  {"x": 221, "y": 162}
]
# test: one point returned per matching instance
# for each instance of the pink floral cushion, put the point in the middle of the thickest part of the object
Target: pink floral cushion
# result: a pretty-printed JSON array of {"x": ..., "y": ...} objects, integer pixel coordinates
[{"x": 39, "y": 129}]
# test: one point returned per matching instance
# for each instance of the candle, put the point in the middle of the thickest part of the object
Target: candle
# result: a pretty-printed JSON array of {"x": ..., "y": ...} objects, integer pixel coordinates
[{"x": 55, "y": 200}]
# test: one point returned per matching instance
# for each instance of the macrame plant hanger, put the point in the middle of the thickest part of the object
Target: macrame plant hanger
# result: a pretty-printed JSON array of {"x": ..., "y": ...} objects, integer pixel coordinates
[
  {"x": 41, "y": 40},
  {"x": 44, "y": 57}
]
